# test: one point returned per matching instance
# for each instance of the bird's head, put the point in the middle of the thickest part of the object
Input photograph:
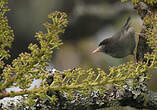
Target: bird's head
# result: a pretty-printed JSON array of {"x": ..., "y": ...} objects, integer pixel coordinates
[{"x": 101, "y": 47}]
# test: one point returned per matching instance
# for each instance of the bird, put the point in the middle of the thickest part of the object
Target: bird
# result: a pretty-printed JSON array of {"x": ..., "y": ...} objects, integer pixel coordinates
[{"x": 121, "y": 44}]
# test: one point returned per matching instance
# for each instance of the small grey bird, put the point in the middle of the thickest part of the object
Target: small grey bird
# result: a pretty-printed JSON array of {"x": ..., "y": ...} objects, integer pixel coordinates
[{"x": 121, "y": 44}]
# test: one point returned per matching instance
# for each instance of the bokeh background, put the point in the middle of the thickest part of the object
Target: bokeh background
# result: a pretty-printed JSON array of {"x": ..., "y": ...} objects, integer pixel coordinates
[{"x": 90, "y": 21}]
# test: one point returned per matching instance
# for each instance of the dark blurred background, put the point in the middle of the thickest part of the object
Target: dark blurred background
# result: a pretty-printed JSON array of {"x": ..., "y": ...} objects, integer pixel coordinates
[{"x": 90, "y": 21}]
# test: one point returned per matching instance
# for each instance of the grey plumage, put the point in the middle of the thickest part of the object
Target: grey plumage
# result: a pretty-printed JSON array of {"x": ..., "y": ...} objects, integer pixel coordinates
[{"x": 121, "y": 44}]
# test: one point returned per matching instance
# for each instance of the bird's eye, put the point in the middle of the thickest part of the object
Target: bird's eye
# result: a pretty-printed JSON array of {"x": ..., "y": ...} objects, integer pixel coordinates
[{"x": 102, "y": 43}]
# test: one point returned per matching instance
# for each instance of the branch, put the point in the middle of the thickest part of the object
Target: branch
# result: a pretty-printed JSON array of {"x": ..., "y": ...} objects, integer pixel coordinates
[{"x": 140, "y": 98}]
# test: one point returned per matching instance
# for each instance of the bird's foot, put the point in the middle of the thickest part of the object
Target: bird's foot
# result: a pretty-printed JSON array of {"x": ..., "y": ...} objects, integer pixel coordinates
[{"x": 140, "y": 34}]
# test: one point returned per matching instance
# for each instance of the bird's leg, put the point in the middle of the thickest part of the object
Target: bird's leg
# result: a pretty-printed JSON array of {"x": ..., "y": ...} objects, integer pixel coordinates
[
  {"x": 134, "y": 56},
  {"x": 135, "y": 60}
]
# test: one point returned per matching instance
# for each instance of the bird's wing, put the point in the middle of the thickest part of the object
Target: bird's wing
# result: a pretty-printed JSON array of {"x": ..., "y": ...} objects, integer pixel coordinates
[
  {"x": 126, "y": 30},
  {"x": 120, "y": 34},
  {"x": 125, "y": 34},
  {"x": 127, "y": 25}
]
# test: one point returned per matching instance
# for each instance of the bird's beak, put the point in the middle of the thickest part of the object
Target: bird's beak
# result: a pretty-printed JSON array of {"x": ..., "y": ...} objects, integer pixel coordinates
[{"x": 97, "y": 50}]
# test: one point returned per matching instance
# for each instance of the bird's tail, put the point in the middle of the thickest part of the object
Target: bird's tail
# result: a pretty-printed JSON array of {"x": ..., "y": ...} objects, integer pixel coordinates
[{"x": 127, "y": 25}]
